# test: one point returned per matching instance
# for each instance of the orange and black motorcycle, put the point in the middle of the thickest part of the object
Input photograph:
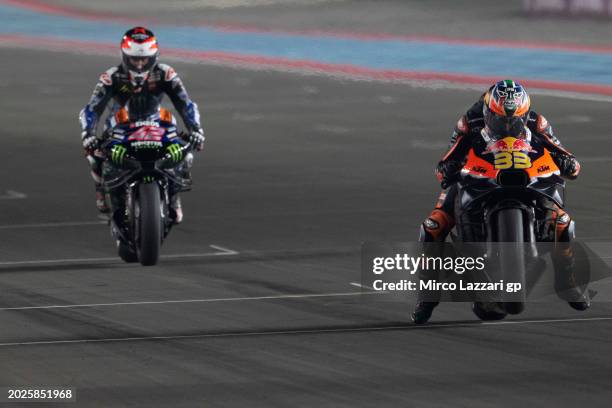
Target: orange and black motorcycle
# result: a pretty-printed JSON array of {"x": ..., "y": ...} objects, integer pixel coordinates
[{"x": 509, "y": 191}]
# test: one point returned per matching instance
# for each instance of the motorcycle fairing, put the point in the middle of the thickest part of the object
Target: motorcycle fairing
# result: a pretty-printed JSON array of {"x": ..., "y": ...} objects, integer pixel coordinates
[{"x": 526, "y": 161}]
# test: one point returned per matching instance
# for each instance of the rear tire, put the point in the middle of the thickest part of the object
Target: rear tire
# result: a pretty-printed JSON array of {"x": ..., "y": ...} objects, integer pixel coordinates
[
  {"x": 149, "y": 224},
  {"x": 512, "y": 257}
]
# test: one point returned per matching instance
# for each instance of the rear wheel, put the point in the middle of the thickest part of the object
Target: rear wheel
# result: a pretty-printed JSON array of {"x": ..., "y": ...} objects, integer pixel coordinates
[
  {"x": 149, "y": 223},
  {"x": 512, "y": 254}
]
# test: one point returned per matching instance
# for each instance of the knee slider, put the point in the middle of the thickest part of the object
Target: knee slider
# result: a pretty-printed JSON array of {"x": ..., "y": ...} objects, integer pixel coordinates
[
  {"x": 566, "y": 232},
  {"x": 564, "y": 227},
  {"x": 435, "y": 227},
  {"x": 188, "y": 160}
]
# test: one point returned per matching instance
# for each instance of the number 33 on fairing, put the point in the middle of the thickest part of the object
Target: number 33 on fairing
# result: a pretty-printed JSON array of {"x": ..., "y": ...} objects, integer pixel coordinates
[{"x": 516, "y": 160}]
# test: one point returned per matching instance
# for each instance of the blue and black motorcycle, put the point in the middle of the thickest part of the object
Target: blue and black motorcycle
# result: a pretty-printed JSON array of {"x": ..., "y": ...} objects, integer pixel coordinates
[{"x": 148, "y": 165}]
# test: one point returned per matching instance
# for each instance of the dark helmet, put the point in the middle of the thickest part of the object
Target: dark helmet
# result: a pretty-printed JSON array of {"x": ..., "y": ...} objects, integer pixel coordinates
[
  {"x": 139, "y": 50},
  {"x": 506, "y": 107}
]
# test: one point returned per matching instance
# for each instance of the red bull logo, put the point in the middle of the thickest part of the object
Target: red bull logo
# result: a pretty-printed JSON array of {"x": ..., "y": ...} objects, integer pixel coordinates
[{"x": 509, "y": 144}]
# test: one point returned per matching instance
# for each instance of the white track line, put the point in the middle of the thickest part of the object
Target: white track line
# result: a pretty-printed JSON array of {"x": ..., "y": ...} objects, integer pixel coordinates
[
  {"x": 161, "y": 302},
  {"x": 224, "y": 250},
  {"x": 307, "y": 331},
  {"x": 221, "y": 252},
  {"x": 359, "y": 285},
  {"x": 54, "y": 261},
  {"x": 13, "y": 195},
  {"x": 53, "y": 224}
]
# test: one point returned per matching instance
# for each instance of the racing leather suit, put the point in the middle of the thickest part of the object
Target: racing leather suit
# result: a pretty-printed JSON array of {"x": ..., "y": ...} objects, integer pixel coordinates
[
  {"x": 441, "y": 221},
  {"x": 134, "y": 99}
]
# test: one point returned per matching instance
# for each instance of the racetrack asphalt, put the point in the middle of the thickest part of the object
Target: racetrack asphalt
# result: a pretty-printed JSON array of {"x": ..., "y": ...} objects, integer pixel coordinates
[{"x": 252, "y": 304}]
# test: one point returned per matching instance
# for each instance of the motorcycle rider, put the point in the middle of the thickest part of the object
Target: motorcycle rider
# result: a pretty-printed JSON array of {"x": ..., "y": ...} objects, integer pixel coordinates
[
  {"x": 503, "y": 109},
  {"x": 136, "y": 88}
]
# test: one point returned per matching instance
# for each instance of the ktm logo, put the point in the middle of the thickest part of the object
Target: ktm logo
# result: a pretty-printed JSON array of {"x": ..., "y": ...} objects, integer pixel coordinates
[
  {"x": 543, "y": 168},
  {"x": 479, "y": 169}
]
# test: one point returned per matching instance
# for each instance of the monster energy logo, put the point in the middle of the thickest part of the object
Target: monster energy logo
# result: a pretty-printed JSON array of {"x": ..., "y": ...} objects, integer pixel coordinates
[
  {"x": 138, "y": 103},
  {"x": 118, "y": 153},
  {"x": 175, "y": 152},
  {"x": 148, "y": 179}
]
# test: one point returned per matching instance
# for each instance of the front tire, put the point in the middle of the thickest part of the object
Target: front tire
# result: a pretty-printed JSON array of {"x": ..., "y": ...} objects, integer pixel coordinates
[
  {"x": 149, "y": 223},
  {"x": 512, "y": 255}
]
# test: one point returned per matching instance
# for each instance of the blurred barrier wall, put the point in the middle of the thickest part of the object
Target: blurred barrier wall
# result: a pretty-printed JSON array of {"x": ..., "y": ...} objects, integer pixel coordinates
[
  {"x": 474, "y": 63},
  {"x": 595, "y": 8}
]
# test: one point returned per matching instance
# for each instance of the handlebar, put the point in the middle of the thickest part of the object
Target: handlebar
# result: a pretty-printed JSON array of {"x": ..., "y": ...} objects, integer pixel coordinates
[{"x": 165, "y": 162}]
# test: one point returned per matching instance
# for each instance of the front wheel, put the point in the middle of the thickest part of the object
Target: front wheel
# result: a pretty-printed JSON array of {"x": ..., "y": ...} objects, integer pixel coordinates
[
  {"x": 512, "y": 257},
  {"x": 149, "y": 223}
]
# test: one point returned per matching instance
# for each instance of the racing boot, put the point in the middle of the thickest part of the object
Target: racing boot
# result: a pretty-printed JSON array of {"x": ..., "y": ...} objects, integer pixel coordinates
[
  {"x": 581, "y": 305},
  {"x": 571, "y": 279},
  {"x": 571, "y": 282},
  {"x": 422, "y": 312},
  {"x": 96, "y": 162},
  {"x": 433, "y": 230},
  {"x": 488, "y": 310},
  {"x": 101, "y": 199},
  {"x": 176, "y": 209}
]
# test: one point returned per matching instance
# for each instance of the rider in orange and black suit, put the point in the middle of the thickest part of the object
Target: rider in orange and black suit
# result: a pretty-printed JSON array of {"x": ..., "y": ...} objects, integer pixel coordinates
[{"x": 490, "y": 114}]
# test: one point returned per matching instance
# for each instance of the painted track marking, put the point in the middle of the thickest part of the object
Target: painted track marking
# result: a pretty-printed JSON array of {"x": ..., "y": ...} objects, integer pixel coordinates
[
  {"x": 221, "y": 251},
  {"x": 308, "y": 331},
  {"x": 214, "y": 300},
  {"x": 13, "y": 195},
  {"x": 359, "y": 285},
  {"x": 53, "y": 224}
]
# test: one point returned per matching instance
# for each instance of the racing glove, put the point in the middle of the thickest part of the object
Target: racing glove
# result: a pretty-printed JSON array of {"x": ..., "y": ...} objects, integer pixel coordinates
[
  {"x": 568, "y": 165},
  {"x": 448, "y": 172},
  {"x": 90, "y": 141},
  {"x": 118, "y": 153},
  {"x": 196, "y": 138}
]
